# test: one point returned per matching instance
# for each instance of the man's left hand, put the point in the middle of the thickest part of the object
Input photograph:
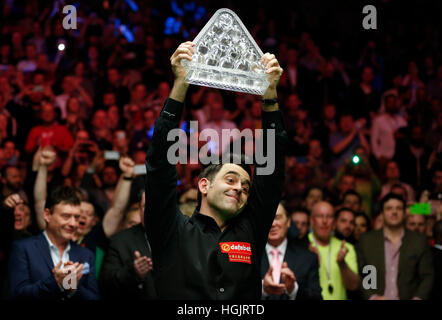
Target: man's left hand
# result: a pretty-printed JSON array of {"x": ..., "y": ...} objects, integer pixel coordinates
[
  {"x": 341, "y": 254},
  {"x": 288, "y": 277},
  {"x": 272, "y": 69},
  {"x": 127, "y": 166}
]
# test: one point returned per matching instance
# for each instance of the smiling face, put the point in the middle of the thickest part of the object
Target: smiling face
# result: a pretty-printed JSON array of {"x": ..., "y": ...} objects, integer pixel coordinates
[
  {"x": 62, "y": 222},
  {"x": 226, "y": 195},
  {"x": 281, "y": 224}
]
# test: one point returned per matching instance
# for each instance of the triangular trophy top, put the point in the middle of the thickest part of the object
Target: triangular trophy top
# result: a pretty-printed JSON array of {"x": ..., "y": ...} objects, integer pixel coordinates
[{"x": 226, "y": 56}]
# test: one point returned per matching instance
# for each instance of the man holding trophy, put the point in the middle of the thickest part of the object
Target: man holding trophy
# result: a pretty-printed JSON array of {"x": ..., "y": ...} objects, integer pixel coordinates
[{"x": 216, "y": 253}]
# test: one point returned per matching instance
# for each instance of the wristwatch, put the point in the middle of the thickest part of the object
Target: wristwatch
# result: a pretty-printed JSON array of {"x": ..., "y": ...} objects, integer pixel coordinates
[{"x": 269, "y": 102}]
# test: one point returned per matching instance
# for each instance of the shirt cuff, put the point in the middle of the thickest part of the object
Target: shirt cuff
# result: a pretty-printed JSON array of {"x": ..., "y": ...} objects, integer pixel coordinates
[
  {"x": 264, "y": 294},
  {"x": 172, "y": 110},
  {"x": 292, "y": 295}
]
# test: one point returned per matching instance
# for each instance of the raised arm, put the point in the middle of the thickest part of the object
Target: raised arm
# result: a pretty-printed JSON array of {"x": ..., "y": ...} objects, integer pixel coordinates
[
  {"x": 114, "y": 214},
  {"x": 161, "y": 213},
  {"x": 46, "y": 157},
  {"x": 268, "y": 181},
  {"x": 343, "y": 144}
]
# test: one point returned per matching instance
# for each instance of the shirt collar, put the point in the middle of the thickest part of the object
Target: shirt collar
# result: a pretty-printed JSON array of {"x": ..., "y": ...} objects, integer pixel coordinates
[
  {"x": 387, "y": 238},
  {"x": 53, "y": 246},
  {"x": 208, "y": 221},
  {"x": 281, "y": 248}
]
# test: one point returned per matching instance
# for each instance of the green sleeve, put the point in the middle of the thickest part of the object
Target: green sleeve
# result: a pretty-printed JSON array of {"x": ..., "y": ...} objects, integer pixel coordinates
[
  {"x": 99, "y": 255},
  {"x": 351, "y": 258}
]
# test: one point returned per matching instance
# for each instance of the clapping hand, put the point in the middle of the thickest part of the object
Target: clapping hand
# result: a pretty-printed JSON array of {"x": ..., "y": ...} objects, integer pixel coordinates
[
  {"x": 270, "y": 287},
  {"x": 142, "y": 265},
  {"x": 343, "y": 250}
]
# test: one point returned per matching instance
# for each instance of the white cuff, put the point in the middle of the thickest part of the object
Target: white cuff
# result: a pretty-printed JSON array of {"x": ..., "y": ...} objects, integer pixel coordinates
[{"x": 292, "y": 295}]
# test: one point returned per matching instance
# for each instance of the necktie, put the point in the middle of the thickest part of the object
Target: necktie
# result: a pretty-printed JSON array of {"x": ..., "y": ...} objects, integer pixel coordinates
[{"x": 276, "y": 264}]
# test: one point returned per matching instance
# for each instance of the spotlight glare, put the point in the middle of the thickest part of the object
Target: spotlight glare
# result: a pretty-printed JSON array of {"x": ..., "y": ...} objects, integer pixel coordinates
[{"x": 356, "y": 159}]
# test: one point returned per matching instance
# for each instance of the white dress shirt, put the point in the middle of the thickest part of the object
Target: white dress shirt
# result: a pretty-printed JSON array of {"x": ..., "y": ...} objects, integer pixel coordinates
[
  {"x": 282, "y": 248},
  {"x": 55, "y": 256}
]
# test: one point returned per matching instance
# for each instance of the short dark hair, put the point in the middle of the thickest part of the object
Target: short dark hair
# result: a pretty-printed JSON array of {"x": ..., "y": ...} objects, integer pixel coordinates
[
  {"x": 91, "y": 203},
  {"x": 8, "y": 140},
  {"x": 338, "y": 212},
  {"x": 307, "y": 191},
  {"x": 436, "y": 167},
  {"x": 5, "y": 170},
  {"x": 390, "y": 196},
  {"x": 367, "y": 219},
  {"x": 300, "y": 209},
  {"x": 398, "y": 185},
  {"x": 211, "y": 170},
  {"x": 62, "y": 194},
  {"x": 284, "y": 205},
  {"x": 353, "y": 193}
]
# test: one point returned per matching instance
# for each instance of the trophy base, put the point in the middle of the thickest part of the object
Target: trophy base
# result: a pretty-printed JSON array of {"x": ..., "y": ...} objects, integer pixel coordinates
[{"x": 233, "y": 80}]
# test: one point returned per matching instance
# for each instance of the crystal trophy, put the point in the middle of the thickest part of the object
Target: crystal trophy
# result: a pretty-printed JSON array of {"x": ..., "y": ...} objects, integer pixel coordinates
[{"x": 227, "y": 57}]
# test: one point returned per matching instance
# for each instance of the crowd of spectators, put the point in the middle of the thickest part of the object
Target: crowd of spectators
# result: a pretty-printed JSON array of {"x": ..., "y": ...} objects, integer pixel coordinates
[{"x": 362, "y": 110}]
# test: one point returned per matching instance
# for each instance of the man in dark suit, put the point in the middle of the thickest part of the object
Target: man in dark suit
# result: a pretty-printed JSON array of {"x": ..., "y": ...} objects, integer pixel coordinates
[
  {"x": 50, "y": 265},
  {"x": 127, "y": 264},
  {"x": 437, "y": 256},
  {"x": 402, "y": 258},
  {"x": 289, "y": 271}
]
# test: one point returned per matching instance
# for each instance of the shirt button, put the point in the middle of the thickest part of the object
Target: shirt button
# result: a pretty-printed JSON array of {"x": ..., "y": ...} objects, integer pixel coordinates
[{"x": 221, "y": 290}]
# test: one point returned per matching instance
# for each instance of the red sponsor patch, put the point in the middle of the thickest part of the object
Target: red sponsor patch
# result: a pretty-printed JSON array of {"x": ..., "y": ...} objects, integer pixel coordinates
[{"x": 237, "y": 251}]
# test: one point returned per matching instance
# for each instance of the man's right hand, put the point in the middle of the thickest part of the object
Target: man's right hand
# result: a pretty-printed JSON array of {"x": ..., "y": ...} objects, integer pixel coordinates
[
  {"x": 47, "y": 156},
  {"x": 59, "y": 273},
  {"x": 142, "y": 265},
  {"x": 184, "y": 51},
  {"x": 12, "y": 201},
  {"x": 127, "y": 166},
  {"x": 270, "y": 287},
  {"x": 314, "y": 249},
  {"x": 69, "y": 267}
]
